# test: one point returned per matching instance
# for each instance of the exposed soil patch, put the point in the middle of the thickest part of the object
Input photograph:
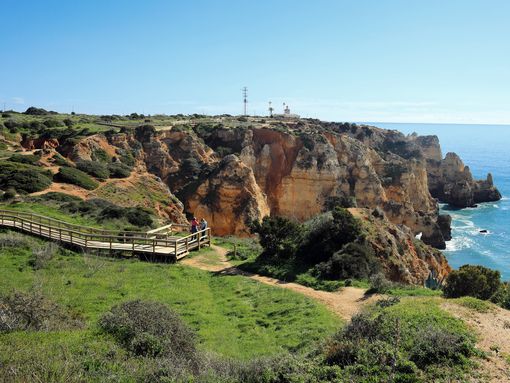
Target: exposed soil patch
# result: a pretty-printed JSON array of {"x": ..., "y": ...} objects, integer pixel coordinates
[
  {"x": 493, "y": 331},
  {"x": 345, "y": 303}
]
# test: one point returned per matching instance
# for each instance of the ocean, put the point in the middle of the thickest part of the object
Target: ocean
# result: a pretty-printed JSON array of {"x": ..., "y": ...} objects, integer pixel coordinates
[{"x": 484, "y": 148}]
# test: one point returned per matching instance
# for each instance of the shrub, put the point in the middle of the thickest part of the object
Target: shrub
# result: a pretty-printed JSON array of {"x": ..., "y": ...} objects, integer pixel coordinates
[
  {"x": 10, "y": 193},
  {"x": 149, "y": 329},
  {"x": 278, "y": 236},
  {"x": 340, "y": 201},
  {"x": 379, "y": 284},
  {"x": 60, "y": 160},
  {"x": 355, "y": 260},
  {"x": 68, "y": 122},
  {"x": 119, "y": 170},
  {"x": 100, "y": 155},
  {"x": 23, "y": 177},
  {"x": 42, "y": 255},
  {"x": 476, "y": 281},
  {"x": 397, "y": 341},
  {"x": 12, "y": 125},
  {"x": 13, "y": 239},
  {"x": 53, "y": 123},
  {"x": 139, "y": 217},
  {"x": 436, "y": 345},
  {"x": 502, "y": 296},
  {"x": 76, "y": 177},
  {"x": 58, "y": 197},
  {"x": 94, "y": 168},
  {"x": 33, "y": 311},
  {"x": 329, "y": 234},
  {"x": 112, "y": 212},
  {"x": 126, "y": 157},
  {"x": 25, "y": 158}
]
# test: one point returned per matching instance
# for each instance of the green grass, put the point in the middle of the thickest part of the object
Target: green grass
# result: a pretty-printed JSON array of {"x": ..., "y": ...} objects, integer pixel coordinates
[
  {"x": 413, "y": 291},
  {"x": 415, "y": 313},
  {"x": 52, "y": 212},
  {"x": 475, "y": 304},
  {"x": 232, "y": 315}
]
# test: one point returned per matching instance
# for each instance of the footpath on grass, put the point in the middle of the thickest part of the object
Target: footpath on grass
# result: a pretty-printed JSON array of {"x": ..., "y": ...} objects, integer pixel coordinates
[
  {"x": 492, "y": 328},
  {"x": 345, "y": 303}
]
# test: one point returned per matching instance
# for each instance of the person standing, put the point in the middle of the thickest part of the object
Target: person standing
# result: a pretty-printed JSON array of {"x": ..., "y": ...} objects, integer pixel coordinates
[
  {"x": 194, "y": 225},
  {"x": 203, "y": 226}
]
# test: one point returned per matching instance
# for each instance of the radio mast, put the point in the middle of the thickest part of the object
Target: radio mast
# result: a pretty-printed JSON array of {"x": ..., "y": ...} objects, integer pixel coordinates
[{"x": 245, "y": 99}]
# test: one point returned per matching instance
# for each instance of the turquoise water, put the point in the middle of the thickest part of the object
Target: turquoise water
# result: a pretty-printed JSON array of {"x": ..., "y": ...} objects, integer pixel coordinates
[{"x": 484, "y": 148}]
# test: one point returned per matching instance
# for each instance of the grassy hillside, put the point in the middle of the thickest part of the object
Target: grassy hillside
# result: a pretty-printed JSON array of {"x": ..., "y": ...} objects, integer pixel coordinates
[{"x": 232, "y": 315}]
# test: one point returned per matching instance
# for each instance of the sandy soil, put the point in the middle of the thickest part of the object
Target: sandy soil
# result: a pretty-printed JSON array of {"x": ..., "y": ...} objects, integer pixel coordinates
[
  {"x": 493, "y": 330},
  {"x": 345, "y": 303}
]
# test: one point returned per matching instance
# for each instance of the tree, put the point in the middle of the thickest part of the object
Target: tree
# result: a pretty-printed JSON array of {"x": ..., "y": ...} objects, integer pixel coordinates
[
  {"x": 279, "y": 236},
  {"x": 476, "y": 281},
  {"x": 330, "y": 235}
]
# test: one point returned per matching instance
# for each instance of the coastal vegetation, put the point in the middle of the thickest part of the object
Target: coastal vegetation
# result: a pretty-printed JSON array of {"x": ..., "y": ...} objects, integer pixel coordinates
[
  {"x": 122, "y": 319},
  {"x": 67, "y": 315}
]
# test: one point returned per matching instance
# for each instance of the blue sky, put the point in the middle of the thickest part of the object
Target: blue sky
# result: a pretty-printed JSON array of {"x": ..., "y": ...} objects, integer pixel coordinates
[{"x": 363, "y": 60}]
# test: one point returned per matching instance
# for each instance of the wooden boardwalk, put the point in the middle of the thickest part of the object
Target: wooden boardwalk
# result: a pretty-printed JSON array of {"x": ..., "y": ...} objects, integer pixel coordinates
[{"x": 161, "y": 241}]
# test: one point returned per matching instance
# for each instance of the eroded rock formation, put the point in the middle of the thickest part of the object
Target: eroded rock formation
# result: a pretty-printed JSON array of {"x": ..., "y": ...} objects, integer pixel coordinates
[{"x": 232, "y": 172}]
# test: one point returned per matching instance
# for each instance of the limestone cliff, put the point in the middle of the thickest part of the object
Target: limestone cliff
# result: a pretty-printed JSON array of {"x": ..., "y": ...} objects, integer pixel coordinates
[
  {"x": 231, "y": 171},
  {"x": 403, "y": 258},
  {"x": 229, "y": 198},
  {"x": 452, "y": 182}
]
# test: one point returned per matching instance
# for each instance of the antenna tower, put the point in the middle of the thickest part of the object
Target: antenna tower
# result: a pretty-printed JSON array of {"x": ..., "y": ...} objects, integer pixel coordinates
[{"x": 245, "y": 99}]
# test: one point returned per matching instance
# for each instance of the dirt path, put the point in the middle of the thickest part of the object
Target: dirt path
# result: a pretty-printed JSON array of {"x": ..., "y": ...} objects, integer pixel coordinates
[
  {"x": 493, "y": 331},
  {"x": 345, "y": 303}
]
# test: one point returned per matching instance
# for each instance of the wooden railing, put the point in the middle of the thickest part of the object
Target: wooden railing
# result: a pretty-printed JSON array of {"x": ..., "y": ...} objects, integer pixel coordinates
[{"x": 154, "y": 241}]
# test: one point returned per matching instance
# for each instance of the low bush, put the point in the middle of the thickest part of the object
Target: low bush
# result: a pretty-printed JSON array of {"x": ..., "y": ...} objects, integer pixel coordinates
[
  {"x": 76, "y": 177},
  {"x": 94, "y": 168},
  {"x": 354, "y": 260},
  {"x": 379, "y": 284},
  {"x": 148, "y": 328},
  {"x": 119, "y": 170},
  {"x": 397, "y": 340},
  {"x": 139, "y": 217},
  {"x": 126, "y": 157},
  {"x": 33, "y": 311},
  {"x": 60, "y": 160},
  {"x": 13, "y": 239},
  {"x": 41, "y": 255},
  {"x": 475, "y": 281},
  {"x": 25, "y": 158},
  {"x": 58, "y": 197},
  {"x": 9, "y": 194},
  {"x": 53, "y": 123},
  {"x": 23, "y": 177}
]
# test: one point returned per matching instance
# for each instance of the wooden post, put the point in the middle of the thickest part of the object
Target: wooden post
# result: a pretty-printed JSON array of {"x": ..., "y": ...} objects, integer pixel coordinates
[
  {"x": 187, "y": 246},
  {"x": 175, "y": 248}
]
